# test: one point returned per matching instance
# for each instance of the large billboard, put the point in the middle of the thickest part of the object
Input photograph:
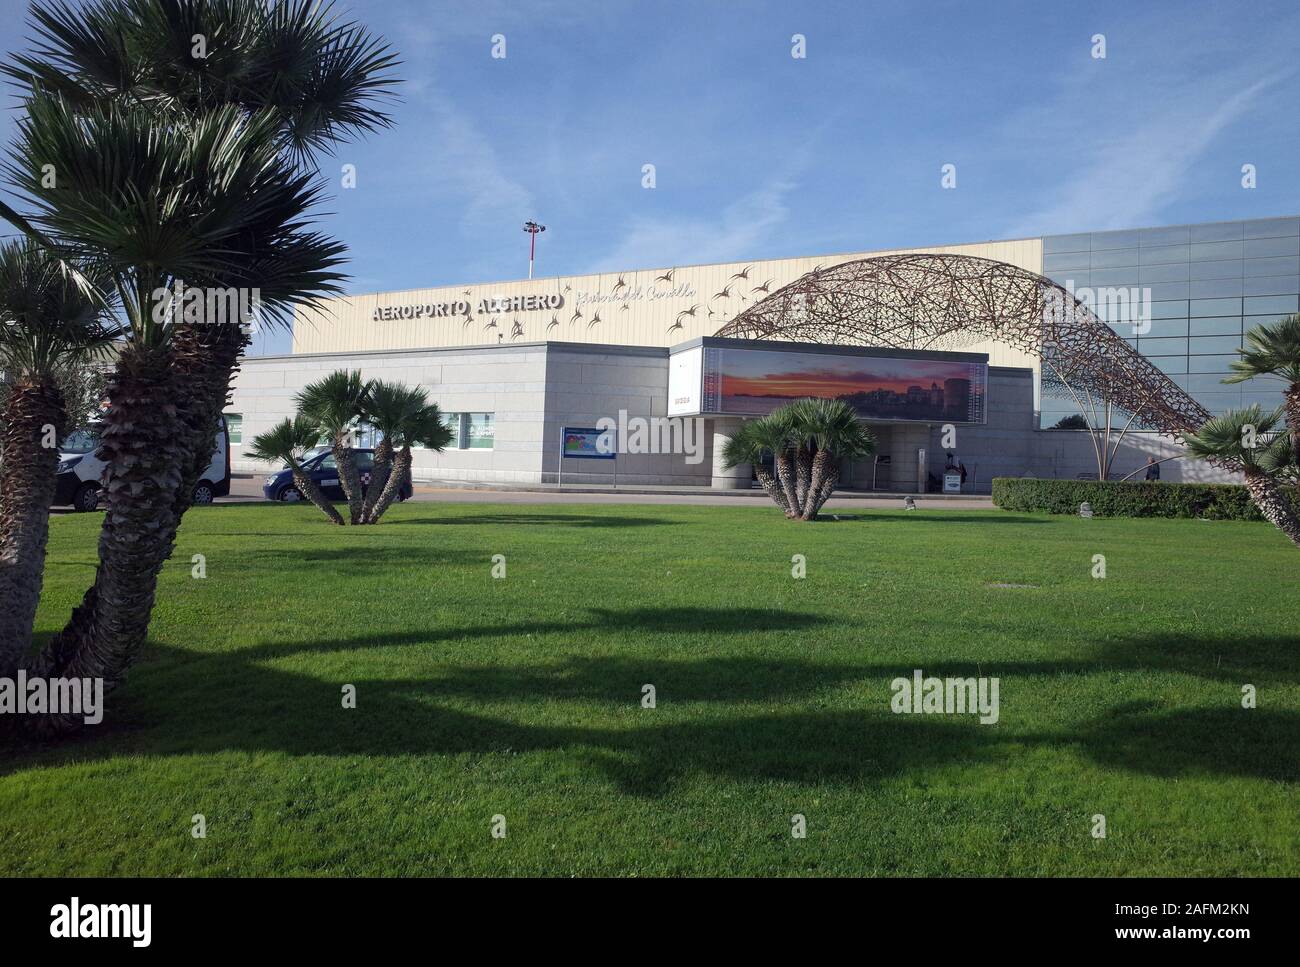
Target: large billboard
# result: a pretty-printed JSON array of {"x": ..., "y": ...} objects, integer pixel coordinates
[{"x": 752, "y": 382}]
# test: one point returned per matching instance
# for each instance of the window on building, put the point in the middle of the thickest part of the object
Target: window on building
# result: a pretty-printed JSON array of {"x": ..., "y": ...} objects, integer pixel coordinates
[
  {"x": 452, "y": 422},
  {"x": 479, "y": 430},
  {"x": 235, "y": 424},
  {"x": 367, "y": 437}
]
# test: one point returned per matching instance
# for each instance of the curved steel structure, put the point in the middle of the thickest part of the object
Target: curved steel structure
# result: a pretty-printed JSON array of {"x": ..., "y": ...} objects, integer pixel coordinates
[{"x": 925, "y": 301}]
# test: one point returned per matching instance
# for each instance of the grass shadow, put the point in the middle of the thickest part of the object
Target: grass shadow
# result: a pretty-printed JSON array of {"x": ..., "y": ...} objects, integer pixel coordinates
[
  {"x": 1256, "y": 743},
  {"x": 572, "y": 520},
  {"x": 973, "y": 518},
  {"x": 209, "y": 703}
]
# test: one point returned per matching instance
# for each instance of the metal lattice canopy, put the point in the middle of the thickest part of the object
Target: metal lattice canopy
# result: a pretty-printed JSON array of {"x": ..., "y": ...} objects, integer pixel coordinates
[{"x": 924, "y": 301}]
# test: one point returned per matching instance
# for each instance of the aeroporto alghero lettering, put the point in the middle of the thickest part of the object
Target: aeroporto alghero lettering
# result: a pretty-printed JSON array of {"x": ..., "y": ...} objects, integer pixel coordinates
[{"x": 435, "y": 310}]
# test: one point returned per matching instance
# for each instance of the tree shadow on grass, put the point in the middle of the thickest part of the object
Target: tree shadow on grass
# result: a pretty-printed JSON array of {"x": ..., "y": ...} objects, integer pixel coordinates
[
  {"x": 187, "y": 703},
  {"x": 561, "y": 520},
  {"x": 381, "y": 557},
  {"x": 969, "y": 517},
  {"x": 1255, "y": 743},
  {"x": 632, "y": 622},
  {"x": 290, "y": 714},
  {"x": 1269, "y": 658}
]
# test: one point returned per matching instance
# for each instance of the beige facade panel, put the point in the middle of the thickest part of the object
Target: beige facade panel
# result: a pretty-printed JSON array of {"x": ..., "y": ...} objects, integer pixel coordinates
[{"x": 642, "y": 307}]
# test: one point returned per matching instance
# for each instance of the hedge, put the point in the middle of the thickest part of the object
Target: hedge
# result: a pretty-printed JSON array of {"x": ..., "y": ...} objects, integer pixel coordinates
[{"x": 1111, "y": 498}]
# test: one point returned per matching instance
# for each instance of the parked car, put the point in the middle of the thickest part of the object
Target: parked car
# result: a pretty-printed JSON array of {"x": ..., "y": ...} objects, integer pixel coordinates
[
  {"x": 81, "y": 472},
  {"x": 320, "y": 465}
]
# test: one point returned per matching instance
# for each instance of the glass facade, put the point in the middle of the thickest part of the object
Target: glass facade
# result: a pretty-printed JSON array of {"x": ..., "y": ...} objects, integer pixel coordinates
[{"x": 1209, "y": 284}]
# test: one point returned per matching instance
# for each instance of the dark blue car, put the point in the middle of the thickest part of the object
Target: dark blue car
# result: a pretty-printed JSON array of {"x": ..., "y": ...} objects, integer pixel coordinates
[{"x": 321, "y": 467}]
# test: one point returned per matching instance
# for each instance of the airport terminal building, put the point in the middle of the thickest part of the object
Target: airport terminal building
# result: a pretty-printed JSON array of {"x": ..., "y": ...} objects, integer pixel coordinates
[{"x": 677, "y": 357}]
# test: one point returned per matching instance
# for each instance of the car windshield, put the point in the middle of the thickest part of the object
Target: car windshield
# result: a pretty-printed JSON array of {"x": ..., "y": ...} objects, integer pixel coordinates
[
  {"x": 310, "y": 458},
  {"x": 80, "y": 441},
  {"x": 362, "y": 459}
]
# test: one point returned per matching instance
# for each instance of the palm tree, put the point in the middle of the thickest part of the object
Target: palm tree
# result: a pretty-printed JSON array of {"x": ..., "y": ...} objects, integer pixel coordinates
[
  {"x": 286, "y": 442},
  {"x": 831, "y": 432},
  {"x": 1274, "y": 351},
  {"x": 213, "y": 203},
  {"x": 1239, "y": 438},
  {"x": 751, "y": 443},
  {"x": 389, "y": 409},
  {"x": 48, "y": 324},
  {"x": 334, "y": 404},
  {"x": 807, "y": 439},
  {"x": 181, "y": 168},
  {"x": 424, "y": 425}
]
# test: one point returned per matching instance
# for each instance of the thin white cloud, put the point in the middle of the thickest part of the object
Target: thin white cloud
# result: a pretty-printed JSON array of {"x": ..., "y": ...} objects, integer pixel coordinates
[
  {"x": 737, "y": 230},
  {"x": 1123, "y": 138},
  {"x": 465, "y": 164},
  {"x": 1130, "y": 176}
]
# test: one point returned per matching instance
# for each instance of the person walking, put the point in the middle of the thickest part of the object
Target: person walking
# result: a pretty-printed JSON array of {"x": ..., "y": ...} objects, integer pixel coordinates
[{"x": 1153, "y": 469}]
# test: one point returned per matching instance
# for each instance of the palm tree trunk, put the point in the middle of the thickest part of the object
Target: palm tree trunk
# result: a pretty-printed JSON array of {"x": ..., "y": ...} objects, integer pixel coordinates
[
  {"x": 1292, "y": 398},
  {"x": 27, "y": 480},
  {"x": 771, "y": 486},
  {"x": 309, "y": 489},
  {"x": 785, "y": 473},
  {"x": 201, "y": 363},
  {"x": 350, "y": 480},
  {"x": 143, "y": 443},
  {"x": 378, "y": 480},
  {"x": 827, "y": 488},
  {"x": 802, "y": 477},
  {"x": 206, "y": 358},
  {"x": 401, "y": 467},
  {"x": 1272, "y": 504},
  {"x": 821, "y": 464}
]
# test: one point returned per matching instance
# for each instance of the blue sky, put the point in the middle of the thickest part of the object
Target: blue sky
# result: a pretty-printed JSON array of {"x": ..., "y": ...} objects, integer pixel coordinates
[{"x": 760, "y": 155}]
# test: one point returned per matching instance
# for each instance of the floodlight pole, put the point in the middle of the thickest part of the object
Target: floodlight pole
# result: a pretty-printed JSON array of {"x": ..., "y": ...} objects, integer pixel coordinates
[{"x": 533, "y": 229}]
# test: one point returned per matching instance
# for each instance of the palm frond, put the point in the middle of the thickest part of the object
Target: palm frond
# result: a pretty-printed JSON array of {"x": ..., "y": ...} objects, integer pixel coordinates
[
  {"x": 323, "y": 77},
  {"x": 285, "y": 442},
  {"x": 335, "y": 402},
  {"x": 832, "y": 425},
  {"x": 1243, "y": 436},
  {"x": 47, "y": 321},
  {"x": 772, "y": 433},
  {"x": 1270, "y": 350},
  {"x": 743, "y": 446},
  {"x": 428, "y": 429},
  {"x": 391, "y": 407},
  {"x": 212, "y": 203}
]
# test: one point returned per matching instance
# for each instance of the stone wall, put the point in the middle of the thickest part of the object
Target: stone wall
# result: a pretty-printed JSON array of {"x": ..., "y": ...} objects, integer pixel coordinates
[{"x": 535, "y": 390}]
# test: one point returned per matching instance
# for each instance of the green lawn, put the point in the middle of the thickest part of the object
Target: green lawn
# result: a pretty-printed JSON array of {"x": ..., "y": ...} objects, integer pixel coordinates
[{"x": 521, "y": 697}]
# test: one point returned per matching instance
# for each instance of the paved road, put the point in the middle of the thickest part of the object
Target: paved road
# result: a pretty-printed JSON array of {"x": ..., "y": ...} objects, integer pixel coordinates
[{"x": 244, "y": 489}]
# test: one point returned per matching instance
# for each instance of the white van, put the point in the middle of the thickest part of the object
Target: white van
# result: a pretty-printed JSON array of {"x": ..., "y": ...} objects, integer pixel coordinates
[{"x": 81, "y": 471}]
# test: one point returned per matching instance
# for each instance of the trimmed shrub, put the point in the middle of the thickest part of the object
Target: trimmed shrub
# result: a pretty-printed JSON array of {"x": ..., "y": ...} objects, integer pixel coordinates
[{"x": 1111, "y": 498}]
